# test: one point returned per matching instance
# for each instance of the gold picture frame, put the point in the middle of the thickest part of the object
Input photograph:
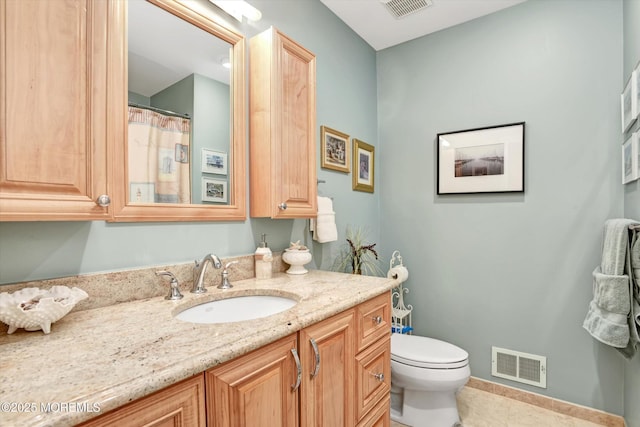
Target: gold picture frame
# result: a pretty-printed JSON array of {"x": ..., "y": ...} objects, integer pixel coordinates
[
  {"x": 363, "y": 166},
  {"x": 335, "y": 150}
]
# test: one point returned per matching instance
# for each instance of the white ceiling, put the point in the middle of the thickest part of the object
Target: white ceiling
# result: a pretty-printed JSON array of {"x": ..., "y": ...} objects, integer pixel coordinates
[{"x": 371, "y": 20}]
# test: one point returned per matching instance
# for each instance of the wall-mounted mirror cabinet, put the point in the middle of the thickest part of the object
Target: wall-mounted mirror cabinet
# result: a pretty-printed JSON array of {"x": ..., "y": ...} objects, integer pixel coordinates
[{"x": 181, "y": 151}]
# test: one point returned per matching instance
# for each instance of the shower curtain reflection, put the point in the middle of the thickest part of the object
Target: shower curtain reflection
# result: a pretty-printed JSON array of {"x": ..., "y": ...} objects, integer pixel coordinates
[{"x": 158, "y": 157}]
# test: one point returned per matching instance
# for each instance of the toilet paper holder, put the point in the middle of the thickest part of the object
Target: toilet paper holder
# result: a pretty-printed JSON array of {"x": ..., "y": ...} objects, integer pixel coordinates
[{"x": 400, "y": 313}]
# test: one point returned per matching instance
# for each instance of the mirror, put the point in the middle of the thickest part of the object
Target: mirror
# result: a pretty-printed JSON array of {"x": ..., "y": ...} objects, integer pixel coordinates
[{"x": 183, "y": 156}]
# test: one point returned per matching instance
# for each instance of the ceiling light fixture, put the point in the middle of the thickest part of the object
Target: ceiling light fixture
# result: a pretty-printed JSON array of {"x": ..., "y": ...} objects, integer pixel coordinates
[{"x": 238, "y": 9}]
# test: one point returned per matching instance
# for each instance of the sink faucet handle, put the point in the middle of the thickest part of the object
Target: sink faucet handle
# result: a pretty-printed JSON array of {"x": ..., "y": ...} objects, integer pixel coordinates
[
  {"x": 174, "y": 291},
  {"x": 230, "y": 263},
  {"x": 225, "y": 277}
]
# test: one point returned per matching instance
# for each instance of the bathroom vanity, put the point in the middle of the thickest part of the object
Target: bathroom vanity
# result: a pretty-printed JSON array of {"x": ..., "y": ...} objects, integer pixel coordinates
[{"x": 135, "y": 359}]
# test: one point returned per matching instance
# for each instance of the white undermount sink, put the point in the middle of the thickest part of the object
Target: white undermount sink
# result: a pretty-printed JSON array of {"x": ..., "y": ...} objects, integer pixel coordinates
[{"x": 236, "y": 309}]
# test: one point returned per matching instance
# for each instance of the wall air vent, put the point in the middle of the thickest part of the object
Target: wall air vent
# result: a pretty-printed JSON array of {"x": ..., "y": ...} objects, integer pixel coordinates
[
  {"x": 402, "y": 8},
  {"x": 521, "y": 367}
]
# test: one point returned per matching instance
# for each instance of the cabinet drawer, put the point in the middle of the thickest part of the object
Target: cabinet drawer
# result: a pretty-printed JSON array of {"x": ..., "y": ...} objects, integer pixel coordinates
[
  {"x": 380, "y": 416},
  {"x": 373, "y": 376},
  {"x": 373, "y": 320}
]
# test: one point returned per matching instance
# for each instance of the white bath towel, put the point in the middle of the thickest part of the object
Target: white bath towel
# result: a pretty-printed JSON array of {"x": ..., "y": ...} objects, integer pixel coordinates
[
  {"x": 610, "y": 318},
  {"x": 324, "y": 226}
]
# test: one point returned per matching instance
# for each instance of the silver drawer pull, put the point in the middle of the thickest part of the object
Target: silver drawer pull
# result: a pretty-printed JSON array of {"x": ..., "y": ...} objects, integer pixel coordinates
[
  {"x": 377, "y": 319},
  {"x": 317, "y": 352},
  {"x": 379, "y": 377},
  {"x": 282, "y": 206},
  {"x": 295, "y": 386}
]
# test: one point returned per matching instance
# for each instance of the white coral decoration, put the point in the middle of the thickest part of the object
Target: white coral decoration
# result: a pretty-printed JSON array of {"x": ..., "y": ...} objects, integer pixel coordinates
[{"x": 34, "y": 308}]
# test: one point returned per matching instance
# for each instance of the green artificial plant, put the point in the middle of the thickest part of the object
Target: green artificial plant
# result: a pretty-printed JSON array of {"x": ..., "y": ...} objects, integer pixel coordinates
[{"x": 356, "y": 255}]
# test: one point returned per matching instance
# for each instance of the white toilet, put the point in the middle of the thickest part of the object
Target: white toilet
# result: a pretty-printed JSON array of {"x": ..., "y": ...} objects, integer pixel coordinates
[{"x": 426, "y": 374}]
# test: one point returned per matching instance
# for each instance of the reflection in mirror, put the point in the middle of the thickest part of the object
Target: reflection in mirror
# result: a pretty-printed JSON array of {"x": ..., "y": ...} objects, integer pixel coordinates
[{"x": 179, "y": 110}]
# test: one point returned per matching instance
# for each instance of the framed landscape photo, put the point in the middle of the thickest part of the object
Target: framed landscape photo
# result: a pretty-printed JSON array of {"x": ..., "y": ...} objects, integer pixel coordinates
[
  {"x": 214, "y": 190},
  {"x": 629, "y": 103},
  {"x": 214, "y": 161},
  {"x": 363, "y": 161},
  {"x": 630, "y": 159},
  {"x": 482, "y": 160},
  {"x": 335, "y": 150}
]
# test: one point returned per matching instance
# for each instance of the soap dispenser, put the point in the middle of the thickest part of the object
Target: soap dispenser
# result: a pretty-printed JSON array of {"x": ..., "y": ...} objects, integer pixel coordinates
[{"x": 263, "y": 259}]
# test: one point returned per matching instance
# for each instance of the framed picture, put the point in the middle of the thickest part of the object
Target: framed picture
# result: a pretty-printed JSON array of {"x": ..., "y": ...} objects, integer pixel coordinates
[
  {"x": 363, "y": 162},
  {"x": 214, "y": 190},
  {"x": 335, "y": 150},
  {"x": 214, "y": 162},
  {"x": 629, "y": 103},
  {"x": 635, "y": 87},
  {"x": 182, "y": 153},
  {"x": 636, "y": 145},
  {"x": 630, "y": 159},
  {"x": 482, "y": 160},
  {"x": 142, "y": 192}
]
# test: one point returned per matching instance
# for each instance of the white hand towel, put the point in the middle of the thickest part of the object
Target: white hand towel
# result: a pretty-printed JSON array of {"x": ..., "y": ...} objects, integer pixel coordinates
[{"x": 324, "y": 227}]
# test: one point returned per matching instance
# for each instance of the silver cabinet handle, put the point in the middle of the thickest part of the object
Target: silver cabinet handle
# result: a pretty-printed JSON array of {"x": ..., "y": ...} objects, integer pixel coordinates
[
  {"x": 379, "y": 377},
  {"x": 282, "y": 206},
  {"x": 317, "y": 352},
  {"x": 103, "y": 201},
  {"x": 295, "y": 386},
  {"x": 377, "y": 319}
]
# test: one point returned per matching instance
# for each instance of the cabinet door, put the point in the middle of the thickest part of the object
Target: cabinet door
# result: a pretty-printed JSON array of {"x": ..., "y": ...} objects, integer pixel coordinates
[
  {"x": 327, "y": 354},
  {"x": 373, "y": 376},
  {"x": 373, "y": 320},
  {"x": 282, "y": 120},
  {"x": 179, "y": 405},
  {"x": 53, "y": 108},
  {"x": 256, "y": 389}
]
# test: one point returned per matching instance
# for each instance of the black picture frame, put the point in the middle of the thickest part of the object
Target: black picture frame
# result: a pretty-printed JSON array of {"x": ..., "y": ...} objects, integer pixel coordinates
[{"x": 481, "y": 160}]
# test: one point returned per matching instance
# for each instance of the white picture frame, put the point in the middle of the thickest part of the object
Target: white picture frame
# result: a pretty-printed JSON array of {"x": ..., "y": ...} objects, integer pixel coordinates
[
  {"x": 629, "y": 103},
  {"x": 214, "y": 162},
  {"x": 214, "y": 190},
  {"x": 635, "y": 138},
  {"x": 630, "y": 159},
  {"x": 635, "y": 88}
]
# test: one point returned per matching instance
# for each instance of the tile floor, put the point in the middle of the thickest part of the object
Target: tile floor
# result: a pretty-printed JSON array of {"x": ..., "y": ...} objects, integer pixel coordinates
[{"x": 479, "y": 408}]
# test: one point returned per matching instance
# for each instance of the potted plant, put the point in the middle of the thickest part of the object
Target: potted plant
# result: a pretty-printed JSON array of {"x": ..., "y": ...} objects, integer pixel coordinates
[{"x": 356, "y": 255}]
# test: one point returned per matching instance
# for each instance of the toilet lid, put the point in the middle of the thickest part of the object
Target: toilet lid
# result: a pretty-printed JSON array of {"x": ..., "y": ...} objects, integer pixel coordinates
[{"x": 427, "y": 352}]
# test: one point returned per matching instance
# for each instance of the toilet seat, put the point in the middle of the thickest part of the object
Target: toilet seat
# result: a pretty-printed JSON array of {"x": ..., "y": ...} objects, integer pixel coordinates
[{"x": 424, "y": 352}]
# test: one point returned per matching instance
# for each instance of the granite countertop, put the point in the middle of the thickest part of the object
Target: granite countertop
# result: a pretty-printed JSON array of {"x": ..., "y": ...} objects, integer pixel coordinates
[{"x": 97, "y": 360}]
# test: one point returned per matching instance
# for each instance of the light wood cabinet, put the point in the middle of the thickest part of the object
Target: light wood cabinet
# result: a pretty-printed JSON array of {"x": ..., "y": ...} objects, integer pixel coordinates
[
  {"x": 282, "y": 125},
  {"x": 327, "y": 354},
  {"x": 53, "y": 108},
  {"x": 258, "y": 389},
  {"x": 345, "y": 364},
  {"x": 179, "y": 405}
]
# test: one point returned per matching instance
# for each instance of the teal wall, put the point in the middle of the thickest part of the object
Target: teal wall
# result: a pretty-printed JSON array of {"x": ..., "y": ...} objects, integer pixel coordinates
[
  {"x": 631, "y": 44},
  {"x": 510, "y": 270},
  {"x": 506, "y": 270},
  {"x": 211, "y": 127}
]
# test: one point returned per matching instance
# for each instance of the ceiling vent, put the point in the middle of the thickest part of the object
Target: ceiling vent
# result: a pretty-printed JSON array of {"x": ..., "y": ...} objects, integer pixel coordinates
[{"x": 402, "y": 8}]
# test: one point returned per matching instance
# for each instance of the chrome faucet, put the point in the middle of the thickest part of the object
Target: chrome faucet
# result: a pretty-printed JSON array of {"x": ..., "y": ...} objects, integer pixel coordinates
[{"x": 198, "y": 272}]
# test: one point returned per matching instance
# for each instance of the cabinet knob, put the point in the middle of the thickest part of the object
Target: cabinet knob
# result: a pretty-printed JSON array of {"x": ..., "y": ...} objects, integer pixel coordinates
[
  {"x": 379, "y": 377},
  {"x": 282, "y": 206},
  {"x": 103, "y": 201},
  {"x": 377, "y": 319}
]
